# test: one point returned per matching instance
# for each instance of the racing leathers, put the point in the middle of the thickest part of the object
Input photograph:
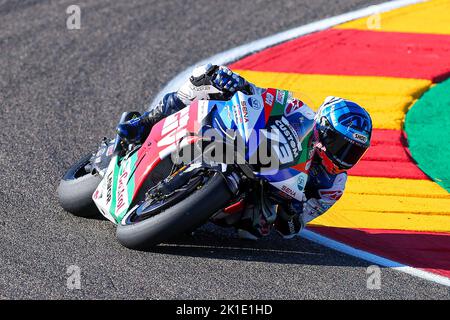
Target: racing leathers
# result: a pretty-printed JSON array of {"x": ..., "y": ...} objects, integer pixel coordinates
[{"x": 211, "y": 82}]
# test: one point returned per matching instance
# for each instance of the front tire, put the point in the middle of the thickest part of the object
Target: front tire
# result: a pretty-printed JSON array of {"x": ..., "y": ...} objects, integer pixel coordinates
[
  {"x": 184, "y": 216},
  {"x": 76, "y": 188}
]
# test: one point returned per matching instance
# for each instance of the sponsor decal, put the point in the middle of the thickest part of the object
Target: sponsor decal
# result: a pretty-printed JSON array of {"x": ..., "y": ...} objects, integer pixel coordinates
[
  {"x": 292, "y": 130},
  {"x": 284, "y": 195},
  {"x": 298, "y": 106},
  {"x": 121, "y": 189},
  {"x": 269, "y": 99},
  {"x": 288, "y": 191},
  {"x": 290, "y": 140},
  {"x": 360, "y": 137},
  {"x": 237, "y": 115},
  {"x": 280, "y": 96},
  {"x": 254, "y": 103},
  {"x": 201, "y": 88},
  {"x": 241, "y": 117},
  {"x": 293, "y": 106},
  {"x": 301, "y": 182},
  {"x": 333, "y": 195},
  {"x": 109, "y": 181},
  {"x": 244, "y": 112}
]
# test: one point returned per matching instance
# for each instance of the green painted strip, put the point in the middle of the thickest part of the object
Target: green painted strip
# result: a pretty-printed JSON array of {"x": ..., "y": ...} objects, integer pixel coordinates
[
  {"x": 427, "y": 125},
  {"x": 130, "y": 185}
]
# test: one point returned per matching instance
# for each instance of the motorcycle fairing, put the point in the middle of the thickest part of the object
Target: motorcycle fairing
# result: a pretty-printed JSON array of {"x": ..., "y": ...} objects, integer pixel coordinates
[
  {"x": 115, "y": 192},
  {"x": 125, "y": 176}
]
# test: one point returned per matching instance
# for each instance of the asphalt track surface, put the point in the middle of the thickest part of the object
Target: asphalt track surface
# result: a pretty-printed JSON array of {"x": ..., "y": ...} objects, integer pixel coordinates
[{"x": 62, "y": 91}]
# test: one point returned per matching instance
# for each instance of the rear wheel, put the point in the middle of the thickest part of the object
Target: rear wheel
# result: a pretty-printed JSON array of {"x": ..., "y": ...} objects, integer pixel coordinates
[
  {"x": 203, "y": 199},
  {"x": 76, "y": 188}
]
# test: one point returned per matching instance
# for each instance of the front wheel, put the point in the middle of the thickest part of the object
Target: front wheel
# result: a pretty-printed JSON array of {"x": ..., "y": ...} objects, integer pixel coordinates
[
  {"x": 76, "y": 188},
  {"x": 185, "y": 215}
]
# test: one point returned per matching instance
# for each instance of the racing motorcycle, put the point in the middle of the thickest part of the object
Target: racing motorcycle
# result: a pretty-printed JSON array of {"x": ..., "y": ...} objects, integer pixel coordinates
[{"x": 177, "y": 179}]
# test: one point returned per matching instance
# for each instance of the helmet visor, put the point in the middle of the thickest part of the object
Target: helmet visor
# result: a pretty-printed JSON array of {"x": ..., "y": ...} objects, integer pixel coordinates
[{"x": 345, "y": 152}]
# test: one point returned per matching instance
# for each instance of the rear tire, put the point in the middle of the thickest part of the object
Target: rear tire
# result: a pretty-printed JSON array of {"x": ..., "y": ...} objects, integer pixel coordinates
[
  {"x": 76, "y": 188},
  {"x": 184, "y": 216}
]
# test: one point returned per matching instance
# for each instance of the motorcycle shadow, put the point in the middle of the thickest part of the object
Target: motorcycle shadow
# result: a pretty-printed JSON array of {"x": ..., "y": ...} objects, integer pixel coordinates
[{"x": 214, "y": 242}]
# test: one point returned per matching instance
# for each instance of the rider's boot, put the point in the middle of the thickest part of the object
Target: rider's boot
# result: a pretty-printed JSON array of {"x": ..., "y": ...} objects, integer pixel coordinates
[
  {"x": 257, "y": 217},
  {"x": 251, "y": 227},
  {"x": 288, "y": 223},
  {"x": 136, "y": 130}
]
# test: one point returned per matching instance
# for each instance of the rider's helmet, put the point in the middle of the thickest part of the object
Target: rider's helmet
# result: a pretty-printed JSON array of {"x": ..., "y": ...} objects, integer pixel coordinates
[{"x": 342, "y": 132}]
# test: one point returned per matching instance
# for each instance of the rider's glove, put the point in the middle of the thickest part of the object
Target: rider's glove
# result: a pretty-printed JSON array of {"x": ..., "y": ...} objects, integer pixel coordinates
[{"x": 227, "y": 80}]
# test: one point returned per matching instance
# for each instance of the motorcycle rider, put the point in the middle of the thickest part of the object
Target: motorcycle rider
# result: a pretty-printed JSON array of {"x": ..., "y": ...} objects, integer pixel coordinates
[{"x": 341, "y": 135}]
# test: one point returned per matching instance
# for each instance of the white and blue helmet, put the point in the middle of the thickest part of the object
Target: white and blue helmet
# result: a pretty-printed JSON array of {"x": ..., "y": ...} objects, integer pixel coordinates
[{"x": 343, "y": 129}]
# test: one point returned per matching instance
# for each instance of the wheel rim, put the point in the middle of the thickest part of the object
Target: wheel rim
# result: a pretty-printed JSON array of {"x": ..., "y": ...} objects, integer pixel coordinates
[
  {"x": 79, "y": 170},
  {"x": 152, "y": 207}
]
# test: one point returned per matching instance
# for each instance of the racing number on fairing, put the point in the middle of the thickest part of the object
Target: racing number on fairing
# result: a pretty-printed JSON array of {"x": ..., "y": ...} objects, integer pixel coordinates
[
  {"x": 286, "y": 147},
  {"x": 281, "y": 146},
  {"x": 174, "y": 129}
]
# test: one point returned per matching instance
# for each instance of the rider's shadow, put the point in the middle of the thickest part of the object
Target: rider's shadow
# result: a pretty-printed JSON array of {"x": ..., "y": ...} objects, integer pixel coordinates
[{"x": 214, "y": 242}]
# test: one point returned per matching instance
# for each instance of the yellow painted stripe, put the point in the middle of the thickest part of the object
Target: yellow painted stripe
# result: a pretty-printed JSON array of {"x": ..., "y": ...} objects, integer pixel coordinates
[
  {"x": 397, "y": 187},
  {"x": 382, "y": 220},
  {"x": 392, "y": 204},
  {"x": 395, "y": 204},
  {"x": 427, "y": 17},
  {"x": 386, "y": 99}
]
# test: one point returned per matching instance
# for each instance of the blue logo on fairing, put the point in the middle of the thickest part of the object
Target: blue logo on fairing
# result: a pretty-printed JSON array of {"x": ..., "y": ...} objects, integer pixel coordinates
[
  {"x": 301, "y": 183},
  {"x": 254, "y": 103}
]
